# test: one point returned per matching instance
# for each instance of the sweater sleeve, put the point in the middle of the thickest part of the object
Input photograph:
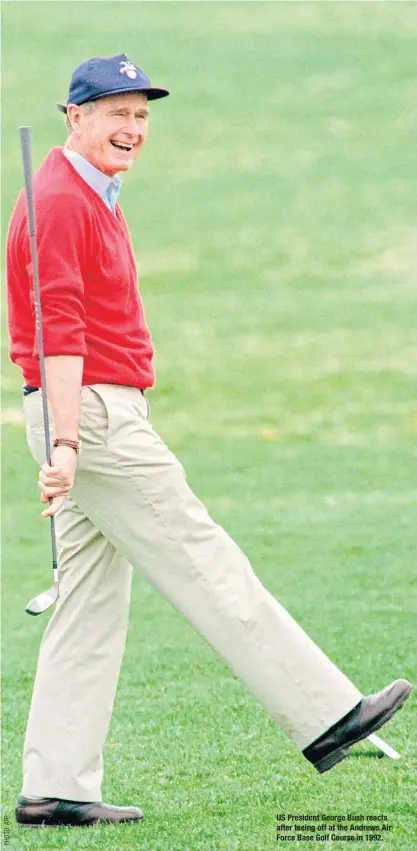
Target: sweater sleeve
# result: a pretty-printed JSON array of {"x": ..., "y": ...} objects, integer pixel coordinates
[{"x": 61, "y": 242}]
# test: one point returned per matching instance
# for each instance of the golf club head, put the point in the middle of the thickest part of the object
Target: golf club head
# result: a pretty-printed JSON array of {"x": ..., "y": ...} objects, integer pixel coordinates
[{"x": 43, "y": 601}]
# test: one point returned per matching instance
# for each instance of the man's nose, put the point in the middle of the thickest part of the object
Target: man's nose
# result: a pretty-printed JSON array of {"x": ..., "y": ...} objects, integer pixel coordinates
[{"x": 131, "y": 125}]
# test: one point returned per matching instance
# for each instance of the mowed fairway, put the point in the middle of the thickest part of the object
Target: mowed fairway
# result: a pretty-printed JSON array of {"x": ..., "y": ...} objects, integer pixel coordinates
[{"x": 273, "y": 218}]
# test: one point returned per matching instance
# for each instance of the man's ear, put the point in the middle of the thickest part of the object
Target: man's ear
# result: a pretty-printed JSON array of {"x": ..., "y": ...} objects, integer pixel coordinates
[{"x": 73, "y": 114}]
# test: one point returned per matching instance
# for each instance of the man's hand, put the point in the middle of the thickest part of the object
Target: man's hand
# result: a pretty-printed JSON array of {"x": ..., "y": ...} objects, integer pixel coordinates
[{"x": 56, "y": 481}]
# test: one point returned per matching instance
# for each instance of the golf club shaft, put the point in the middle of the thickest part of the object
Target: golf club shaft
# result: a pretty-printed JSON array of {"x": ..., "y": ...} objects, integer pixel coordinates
[{"x": 27, "y": 171}]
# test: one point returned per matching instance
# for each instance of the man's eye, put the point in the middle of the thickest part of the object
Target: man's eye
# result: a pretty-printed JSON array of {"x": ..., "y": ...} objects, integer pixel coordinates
[{"x": 123, "y": 115}]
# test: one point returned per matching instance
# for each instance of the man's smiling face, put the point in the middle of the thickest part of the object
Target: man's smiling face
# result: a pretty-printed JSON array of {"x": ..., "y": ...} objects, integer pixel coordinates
[{"x": 111, "y": 133}]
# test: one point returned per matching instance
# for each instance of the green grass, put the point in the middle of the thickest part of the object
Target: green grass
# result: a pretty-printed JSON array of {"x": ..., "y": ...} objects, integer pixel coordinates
[{"x": 272, "y": 213}]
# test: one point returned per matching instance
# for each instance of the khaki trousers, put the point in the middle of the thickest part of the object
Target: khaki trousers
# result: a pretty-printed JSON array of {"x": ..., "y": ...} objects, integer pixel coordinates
[{"x": 131, "y": 506}]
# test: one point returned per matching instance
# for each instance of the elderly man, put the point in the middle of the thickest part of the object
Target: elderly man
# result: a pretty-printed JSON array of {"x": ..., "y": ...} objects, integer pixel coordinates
[{"x": 124, "y": 500}]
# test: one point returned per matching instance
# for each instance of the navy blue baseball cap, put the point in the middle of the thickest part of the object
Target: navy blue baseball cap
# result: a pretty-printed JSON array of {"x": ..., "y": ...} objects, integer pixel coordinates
[{"x": 108, "y": 75}]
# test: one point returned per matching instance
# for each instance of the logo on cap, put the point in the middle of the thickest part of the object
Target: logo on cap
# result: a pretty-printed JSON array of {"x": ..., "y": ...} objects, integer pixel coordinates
[{"x": 129, "y": 69}]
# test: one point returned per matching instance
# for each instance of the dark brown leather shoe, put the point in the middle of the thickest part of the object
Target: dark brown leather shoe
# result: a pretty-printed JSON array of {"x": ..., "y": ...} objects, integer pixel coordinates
[
  {"x": 52, "y": 812},
  {"x": 369, "y": 715}
]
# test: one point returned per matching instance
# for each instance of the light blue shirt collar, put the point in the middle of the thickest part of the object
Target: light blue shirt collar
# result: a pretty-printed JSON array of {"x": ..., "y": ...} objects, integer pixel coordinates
[{"x": 107, "y": 187}]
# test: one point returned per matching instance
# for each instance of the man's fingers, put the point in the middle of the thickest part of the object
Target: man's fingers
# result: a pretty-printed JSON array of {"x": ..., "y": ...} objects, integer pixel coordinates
[
  {"x": 52, "y": 480},
  {"x": 45, "y": 498},
  {"x": 55, "y": 505},
  {"x": 56, "y": 491},
  {"x": 55, "y": 481},
  {"x": 54, "y": 469}
]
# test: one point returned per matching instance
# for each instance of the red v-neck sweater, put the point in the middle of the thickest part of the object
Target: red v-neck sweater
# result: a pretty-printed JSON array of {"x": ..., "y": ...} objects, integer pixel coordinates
[{"x": 88, "y": 282}]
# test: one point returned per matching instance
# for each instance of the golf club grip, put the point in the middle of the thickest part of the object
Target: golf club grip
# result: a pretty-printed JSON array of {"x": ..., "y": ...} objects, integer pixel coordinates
[{"x": 27, "y": 172}]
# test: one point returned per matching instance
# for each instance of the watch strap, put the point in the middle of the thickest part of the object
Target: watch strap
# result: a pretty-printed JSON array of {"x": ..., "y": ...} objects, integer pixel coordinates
[{"x": 64, "y": 441}]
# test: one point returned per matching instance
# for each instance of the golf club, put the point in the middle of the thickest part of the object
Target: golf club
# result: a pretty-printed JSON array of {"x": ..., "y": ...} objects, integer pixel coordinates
[{"x": 46, "y": 599}]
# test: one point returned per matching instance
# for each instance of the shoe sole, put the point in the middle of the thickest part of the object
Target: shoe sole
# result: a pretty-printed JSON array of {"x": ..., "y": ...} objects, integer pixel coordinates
[
  {"x": 338, "y": 754},
  {"x": 85, "y": 824},
  {"x": 36, "y": 826}
]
